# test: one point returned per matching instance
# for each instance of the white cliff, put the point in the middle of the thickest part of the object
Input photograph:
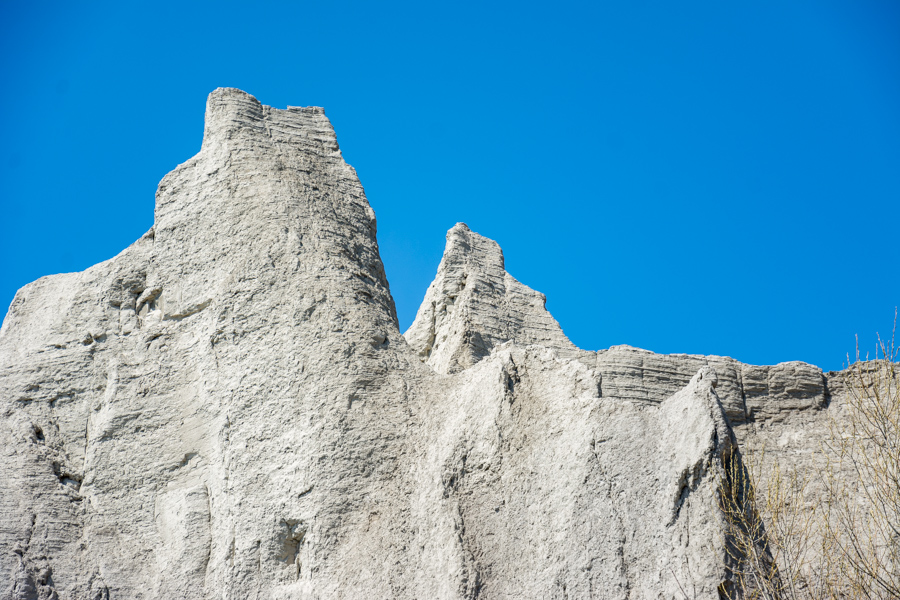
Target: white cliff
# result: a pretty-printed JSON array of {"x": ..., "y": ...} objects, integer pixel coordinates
[{"x": 227, "y": 409}]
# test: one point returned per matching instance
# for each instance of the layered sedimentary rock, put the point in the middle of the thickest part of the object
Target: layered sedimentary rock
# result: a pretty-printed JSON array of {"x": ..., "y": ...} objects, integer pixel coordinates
[
  {"x": 473, "y": 306},
  {"x": 227, "y": 409}
]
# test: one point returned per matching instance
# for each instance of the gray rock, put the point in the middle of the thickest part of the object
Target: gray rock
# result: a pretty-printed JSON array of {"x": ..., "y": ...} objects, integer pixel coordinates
[
  {"x": 473, "y": 306},
  {"x": 227, "y": 409}
]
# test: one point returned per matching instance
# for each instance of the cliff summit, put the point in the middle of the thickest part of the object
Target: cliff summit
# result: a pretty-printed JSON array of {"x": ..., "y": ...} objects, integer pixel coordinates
[{"x": 227, "y": 409}]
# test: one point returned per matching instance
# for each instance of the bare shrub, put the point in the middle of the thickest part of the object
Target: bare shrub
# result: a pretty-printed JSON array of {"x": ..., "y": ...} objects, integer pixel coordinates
[{"x": 846, "y": 545}]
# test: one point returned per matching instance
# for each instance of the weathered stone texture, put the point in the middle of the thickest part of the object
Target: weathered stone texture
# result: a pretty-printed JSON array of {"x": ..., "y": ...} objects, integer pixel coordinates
[
  {"x": 474, "y": 305},
  {"x": 227, "y": 409}
]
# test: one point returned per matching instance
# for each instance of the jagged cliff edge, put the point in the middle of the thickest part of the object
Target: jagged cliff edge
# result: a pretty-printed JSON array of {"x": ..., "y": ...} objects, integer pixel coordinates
[{"x": 228, "y": 409}]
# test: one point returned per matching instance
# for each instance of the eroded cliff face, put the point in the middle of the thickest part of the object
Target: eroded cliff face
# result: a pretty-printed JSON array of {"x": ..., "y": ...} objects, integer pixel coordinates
[{"x": 227, "y": 409}]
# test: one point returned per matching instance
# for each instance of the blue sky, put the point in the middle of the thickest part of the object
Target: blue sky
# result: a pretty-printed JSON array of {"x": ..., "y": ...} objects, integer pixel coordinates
[{"x": 706, "y": 177}]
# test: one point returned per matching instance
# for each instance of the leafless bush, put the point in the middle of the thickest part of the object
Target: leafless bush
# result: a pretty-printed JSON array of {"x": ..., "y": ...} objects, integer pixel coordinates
[{"x": 846, "y": 545}]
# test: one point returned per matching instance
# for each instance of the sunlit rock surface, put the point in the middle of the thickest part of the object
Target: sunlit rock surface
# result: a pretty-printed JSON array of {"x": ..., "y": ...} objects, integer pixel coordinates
[{"x": 227, "y": 409}]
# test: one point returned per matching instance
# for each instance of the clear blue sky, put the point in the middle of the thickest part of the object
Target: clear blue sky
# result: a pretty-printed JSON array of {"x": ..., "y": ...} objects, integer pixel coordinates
[{"x": 702, "y": 177}]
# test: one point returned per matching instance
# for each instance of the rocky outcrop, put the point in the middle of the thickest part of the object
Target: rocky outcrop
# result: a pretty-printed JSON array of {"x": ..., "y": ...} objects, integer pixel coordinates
[
  {"x": 473, "y": 306},
  {"x": 749, "y": 393},
  {"x": 227, "y": 409}
]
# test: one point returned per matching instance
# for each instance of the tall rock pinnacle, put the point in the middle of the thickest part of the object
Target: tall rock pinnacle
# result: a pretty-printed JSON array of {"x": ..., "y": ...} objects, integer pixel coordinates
[{"x": 474, "y": 305}]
